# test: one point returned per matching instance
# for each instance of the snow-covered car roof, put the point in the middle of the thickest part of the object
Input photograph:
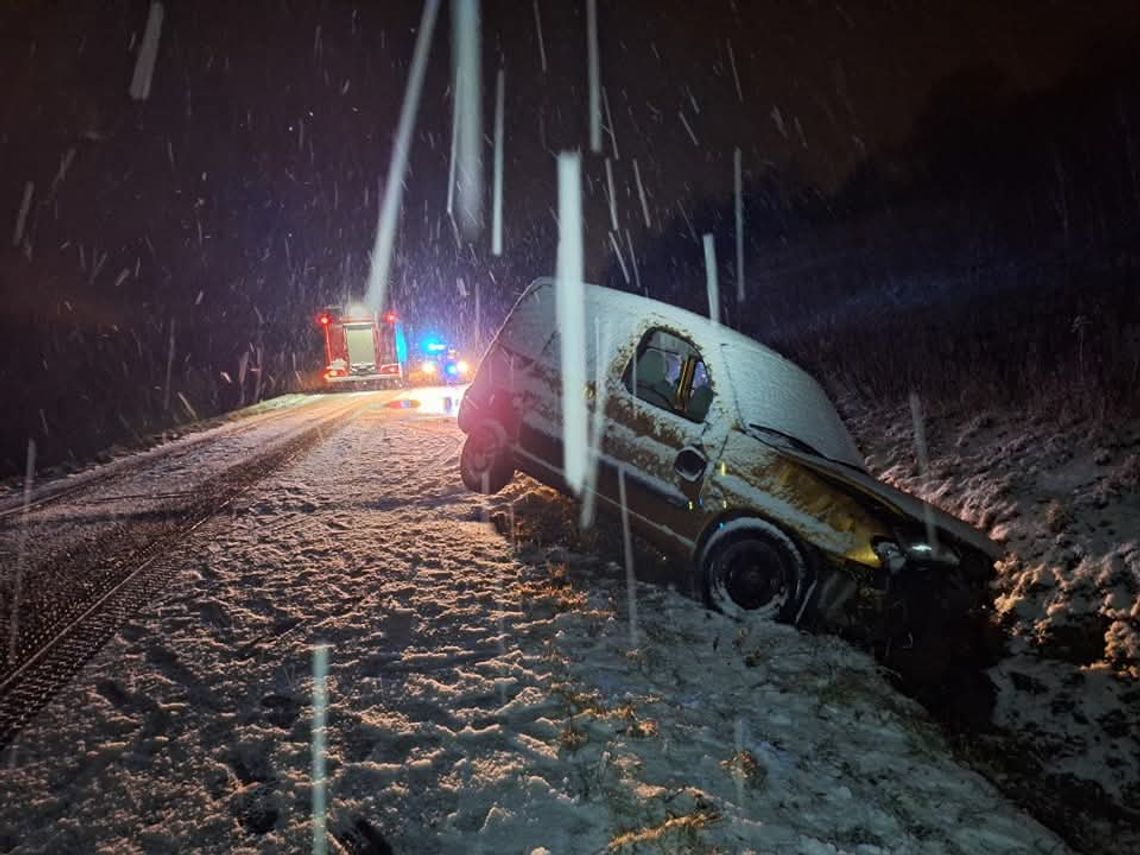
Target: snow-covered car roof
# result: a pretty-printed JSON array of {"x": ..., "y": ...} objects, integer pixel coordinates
[{"x": 759, "y": 386}]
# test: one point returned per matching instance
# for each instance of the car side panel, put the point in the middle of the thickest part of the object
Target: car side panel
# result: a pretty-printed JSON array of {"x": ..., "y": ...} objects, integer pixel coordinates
[
  {"x": 643, "y": 442},
  {"x": 754, "y": 478}
]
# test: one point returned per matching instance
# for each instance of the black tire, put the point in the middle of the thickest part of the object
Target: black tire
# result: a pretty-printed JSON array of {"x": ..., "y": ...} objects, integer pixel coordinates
[
  {"x": 485, "y": 464},
  {"x": 756, "y": 573}
]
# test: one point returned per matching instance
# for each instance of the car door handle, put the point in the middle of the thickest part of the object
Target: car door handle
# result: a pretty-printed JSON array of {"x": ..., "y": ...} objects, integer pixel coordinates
[{"x": 690, "y": 463}]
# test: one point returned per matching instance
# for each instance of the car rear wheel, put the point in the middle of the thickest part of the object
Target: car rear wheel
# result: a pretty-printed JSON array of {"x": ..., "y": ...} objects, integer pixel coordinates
[
  {"x": 758, "y": 573},
  {"x": 485, "y": 464}
]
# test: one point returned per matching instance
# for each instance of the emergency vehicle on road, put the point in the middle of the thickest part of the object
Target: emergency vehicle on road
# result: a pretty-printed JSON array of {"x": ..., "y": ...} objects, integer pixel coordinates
[{"x": 363, "y": 348}]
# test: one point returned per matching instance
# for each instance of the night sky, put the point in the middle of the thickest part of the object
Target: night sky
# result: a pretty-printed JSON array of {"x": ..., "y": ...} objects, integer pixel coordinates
[{"x": 243, "y": 193}]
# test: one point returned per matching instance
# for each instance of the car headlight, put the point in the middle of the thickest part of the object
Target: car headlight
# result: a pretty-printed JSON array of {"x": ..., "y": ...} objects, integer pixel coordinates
[
  {"x": 921, "y": 552},
  {"x": 916, "y": 553},
  {"x": 892, "y": 558},
  {"x": 427, "y": 367},
  {"x": 463, "y": 366}
]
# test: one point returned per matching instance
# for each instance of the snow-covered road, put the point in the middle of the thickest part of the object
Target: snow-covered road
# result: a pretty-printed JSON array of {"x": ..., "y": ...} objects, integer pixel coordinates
[{"x": 485, "y": 694}]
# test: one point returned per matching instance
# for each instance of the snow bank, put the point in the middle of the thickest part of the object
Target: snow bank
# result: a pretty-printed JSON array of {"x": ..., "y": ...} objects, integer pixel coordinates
[{"x": 1064, "y": 498}]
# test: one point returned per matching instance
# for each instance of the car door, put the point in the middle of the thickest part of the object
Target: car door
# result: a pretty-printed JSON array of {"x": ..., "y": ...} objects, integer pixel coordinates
[{"x": 663, "y": 430}]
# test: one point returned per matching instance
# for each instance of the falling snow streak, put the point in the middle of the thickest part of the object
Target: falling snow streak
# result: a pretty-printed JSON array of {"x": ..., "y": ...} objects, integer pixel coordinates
[
  {"x": 497, "y": 213},
  {"x": 688, "y": 222},
  {"x": 621, "y": 261},
  {"x": 455, "y": 100},
  {"x": 688, "y": 128},
  {"x": 169, "y": 368},
  {"x": 778, "y": 118},
  {"x": 467, "y": 45},
  {"x": 633, "y": 261},
  {"x": 735, "y": 76},
  {"x": 923, "y": 466},
  {"x": 148, "y": 53},
  {"x": 22, "y": 216},
  {"x": 611, "y": 197},
  {"x": 627, "y": 544},
  {"x": 738, "y": 193},
  {"x": 538, "y": 31},
  {"x": 64, "y": 166},
  {"x": 597, "y": 427},
  {"x": 610, "y": 123},
  {"x": 641, "y": 194},
  {"x": 260, "y": 371},
  {"x": 320, "y": 733},
  {"x": 381, "y": 261},
  {"x": 189, "y": 408},
  {"x": 710, "y": 279},
  {"x": 693, "y": 100},
  {"x": 595, "y": 76},
  {"x": 478, "y": 316},
  {"x": 570, "y": 309}
]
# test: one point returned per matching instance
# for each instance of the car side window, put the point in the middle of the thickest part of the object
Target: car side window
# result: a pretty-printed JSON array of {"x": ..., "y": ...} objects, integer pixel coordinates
[{"x": 668, "y": 372}]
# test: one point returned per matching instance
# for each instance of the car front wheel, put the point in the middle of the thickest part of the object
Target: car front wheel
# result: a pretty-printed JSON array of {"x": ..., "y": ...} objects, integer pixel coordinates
[
  {"x": 756, "y": 573},
  {"x": 485, "y": 464}
]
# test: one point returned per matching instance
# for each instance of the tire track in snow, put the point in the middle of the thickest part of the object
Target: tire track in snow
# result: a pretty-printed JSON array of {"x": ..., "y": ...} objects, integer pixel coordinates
[
  {"x": 12, "y": 508},
  {"x": 59, "y": 635}
]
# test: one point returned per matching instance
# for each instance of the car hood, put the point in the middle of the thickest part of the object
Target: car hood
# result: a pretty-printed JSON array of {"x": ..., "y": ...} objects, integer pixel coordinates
[{"x": 896, "y": 500}]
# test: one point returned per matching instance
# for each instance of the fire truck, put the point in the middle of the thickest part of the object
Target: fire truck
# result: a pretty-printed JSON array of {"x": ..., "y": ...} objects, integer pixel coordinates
[{"x": 363, "y": 348}]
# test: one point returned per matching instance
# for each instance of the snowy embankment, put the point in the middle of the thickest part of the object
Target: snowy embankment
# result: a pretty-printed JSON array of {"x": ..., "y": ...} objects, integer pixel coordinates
[
  {"x": 1064, "y": 497},
  {"x": 485, "y": 694}
]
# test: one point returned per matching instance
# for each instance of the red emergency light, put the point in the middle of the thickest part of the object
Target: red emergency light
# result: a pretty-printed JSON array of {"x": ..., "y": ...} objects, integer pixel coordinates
[
  {"x": 323, "y": 319},
  {"x": 389, "y": 317}
]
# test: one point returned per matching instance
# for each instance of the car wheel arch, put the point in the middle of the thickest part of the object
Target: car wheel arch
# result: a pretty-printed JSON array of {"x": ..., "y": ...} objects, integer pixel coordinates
[
  {"x": 730, "y": 528},
  {"x": 740, "y": 521}
]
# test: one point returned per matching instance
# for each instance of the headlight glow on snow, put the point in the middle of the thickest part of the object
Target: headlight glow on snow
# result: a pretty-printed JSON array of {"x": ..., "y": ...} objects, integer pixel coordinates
[{"x": 427, "y": 367}]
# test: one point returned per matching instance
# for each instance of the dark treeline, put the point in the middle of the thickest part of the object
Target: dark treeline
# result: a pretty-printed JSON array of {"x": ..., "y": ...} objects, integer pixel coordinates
[{"x": 993, "y": 257}]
